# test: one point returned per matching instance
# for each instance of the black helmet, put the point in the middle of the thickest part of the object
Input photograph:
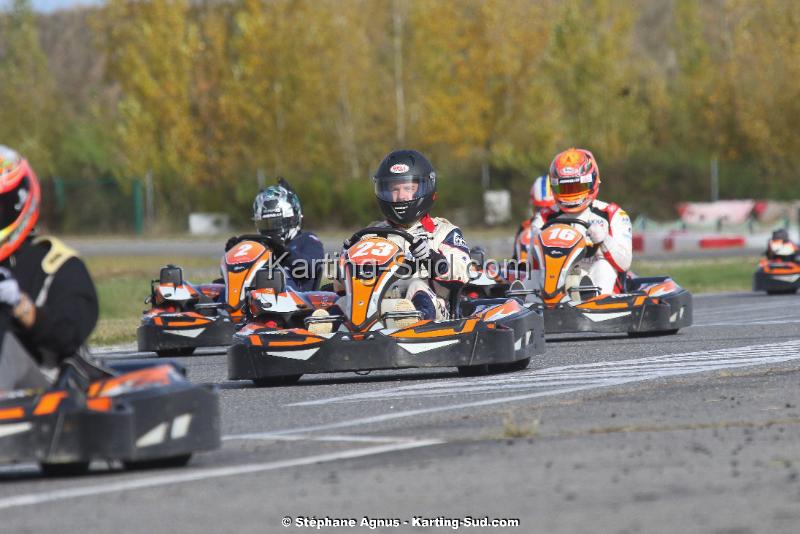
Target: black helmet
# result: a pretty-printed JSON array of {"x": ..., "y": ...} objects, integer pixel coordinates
[
  {"x": 405, "y": 168},
  {"x": 277, "y": 212},
  {"x": 780, "y": 235}
]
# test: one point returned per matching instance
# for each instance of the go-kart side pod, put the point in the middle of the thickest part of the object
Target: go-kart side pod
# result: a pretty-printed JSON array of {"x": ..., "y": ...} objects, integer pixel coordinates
[
  {"x": 777, "y": 277},
  {"x": 150, "y": 416},
  {"x": 507, "y": 339}
]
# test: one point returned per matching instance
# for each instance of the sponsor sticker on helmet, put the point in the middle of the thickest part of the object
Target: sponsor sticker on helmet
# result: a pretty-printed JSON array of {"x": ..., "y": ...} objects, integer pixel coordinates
[{"x": 399, "y": 168}]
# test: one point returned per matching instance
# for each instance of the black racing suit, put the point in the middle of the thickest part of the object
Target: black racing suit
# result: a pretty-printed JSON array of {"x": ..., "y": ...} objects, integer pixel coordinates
[
  {"x": 301, "y": 258},
  {"x": 59, "y": 285}
]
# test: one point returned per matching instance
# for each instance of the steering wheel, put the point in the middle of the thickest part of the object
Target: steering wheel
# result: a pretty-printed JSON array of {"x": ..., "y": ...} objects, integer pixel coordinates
[
  {"x": 573, "y": 220},
  {"x": 566, "y": 220},
  {"x": 381, "y": 231}
]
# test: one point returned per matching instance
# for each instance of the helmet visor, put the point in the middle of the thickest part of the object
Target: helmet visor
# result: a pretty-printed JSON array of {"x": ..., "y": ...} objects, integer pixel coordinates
[
  {"x": 402, "y": 188},
  {"x": 12, "y": 202},
  {"x": 270, "y": 224},
  {"x": 572, "y": 185}
]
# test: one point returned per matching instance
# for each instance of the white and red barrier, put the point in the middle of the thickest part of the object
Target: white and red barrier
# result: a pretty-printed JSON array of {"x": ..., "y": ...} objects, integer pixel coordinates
[{"x": 682, "y": 242}]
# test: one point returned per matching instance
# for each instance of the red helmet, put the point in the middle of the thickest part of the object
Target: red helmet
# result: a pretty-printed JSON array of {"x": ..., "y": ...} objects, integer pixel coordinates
[
  {"x": 575, "y": 179},
  {"x": 541, "y": 193},
  {"x": 19, "y": 201}
]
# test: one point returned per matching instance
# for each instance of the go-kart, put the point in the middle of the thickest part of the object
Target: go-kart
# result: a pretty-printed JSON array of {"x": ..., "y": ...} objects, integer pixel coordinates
[
  {"x": 371, "y": 331},
  {"x": 184, "y": 317},
  {"x": 777, "y": 276},
  {"x": 137, "y": 412},
  {"x": 572, "y": 303}
]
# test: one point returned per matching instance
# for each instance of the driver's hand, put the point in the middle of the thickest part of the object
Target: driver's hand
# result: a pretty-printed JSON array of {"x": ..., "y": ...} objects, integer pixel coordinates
[
  {"x": 597, "y": 233},
  {"x": 420, "y": 249},
  {"x": 9, "y": 288}
]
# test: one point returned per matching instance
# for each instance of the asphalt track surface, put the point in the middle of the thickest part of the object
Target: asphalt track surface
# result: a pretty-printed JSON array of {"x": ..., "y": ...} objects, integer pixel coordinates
[{"x": 697, "y": 432}]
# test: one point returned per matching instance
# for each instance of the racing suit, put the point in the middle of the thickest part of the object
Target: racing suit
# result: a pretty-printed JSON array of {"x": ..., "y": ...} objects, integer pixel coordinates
[
  {"x": 611, "y": 257},
  {"x": 301, "y": 258},
  {"x": 450, "y": 260},
  {"x": 66, "y": 310},
  {"x": 522, "y": 241}
]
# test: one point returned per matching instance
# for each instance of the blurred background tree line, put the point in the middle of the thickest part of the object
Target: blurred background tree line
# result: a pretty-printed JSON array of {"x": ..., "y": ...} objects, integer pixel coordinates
[{"x": 206, "y": 96}]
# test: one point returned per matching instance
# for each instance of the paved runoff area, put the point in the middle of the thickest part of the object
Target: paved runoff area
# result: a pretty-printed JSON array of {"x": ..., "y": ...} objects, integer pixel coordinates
[{"x": 696, "y": 432}]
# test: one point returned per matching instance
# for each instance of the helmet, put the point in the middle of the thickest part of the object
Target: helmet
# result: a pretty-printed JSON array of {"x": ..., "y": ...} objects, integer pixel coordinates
[
  {"x": 781, "y": 234},
  {"x": 575, "y": 179},
  {"x": 405, "y": 184},
  {"x": 541, "y": 193},
  {"x": 277, "y": 212},
  {"x": 19, "y": 201}
]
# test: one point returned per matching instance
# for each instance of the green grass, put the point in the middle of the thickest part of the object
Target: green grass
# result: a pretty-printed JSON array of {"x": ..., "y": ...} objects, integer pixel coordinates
[
  {"x": 706, "y": 275},
  {"x": 124, "y": 282}
]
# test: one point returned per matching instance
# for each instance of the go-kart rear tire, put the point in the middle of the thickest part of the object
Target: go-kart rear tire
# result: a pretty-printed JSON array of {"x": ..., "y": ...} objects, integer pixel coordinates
[
  {"x": 273, "y": 381},
  {"x": 160, "y": 463},
  {"x": 474, "y": 370},
  {"x": 173, "y": 353},
  {"x": 70, "y": 469}
]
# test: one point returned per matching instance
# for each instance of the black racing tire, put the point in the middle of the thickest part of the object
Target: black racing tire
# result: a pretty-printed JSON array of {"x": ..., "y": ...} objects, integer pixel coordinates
[
  {"x": 519, "y": 365},
  {"x": 69, "y": 469},
  {"x": 474, "y": 370},
  {"x": 781, "y": 291},
  {"x": 160, "y": 463},
  {"x": 173, "y": 353},
  {"x": 273, "y": 381},
  {"x": 656, "y": 333}
]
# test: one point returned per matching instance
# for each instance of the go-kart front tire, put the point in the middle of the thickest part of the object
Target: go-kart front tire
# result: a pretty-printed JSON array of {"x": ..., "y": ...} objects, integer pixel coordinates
[
  {"x": 781, "y": 291},
  {"x": 69, "y": 469},
  {"x": 519, "y": 365},
  {"x": 173, "y": 353},
  {"x": 273, "y": 381},
  {"x": 473, "y": 370},
  {"x": 656, "y": 333},
  {"x": 160, "y": 463}
]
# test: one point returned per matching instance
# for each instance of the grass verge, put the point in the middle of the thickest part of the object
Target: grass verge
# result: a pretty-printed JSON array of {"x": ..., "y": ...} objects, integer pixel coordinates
[{"x": 704, "y": 275}]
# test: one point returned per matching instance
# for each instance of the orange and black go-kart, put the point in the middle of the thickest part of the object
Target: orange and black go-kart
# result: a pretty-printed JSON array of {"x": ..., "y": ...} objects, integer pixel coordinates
[
  {"x": 134, "y": 413},
  {"x": 374, "y": 332},
  {"x": 185, "y": 316},
  {"x": 777, "y": 276},
  {"x": 571, "y": 303}
]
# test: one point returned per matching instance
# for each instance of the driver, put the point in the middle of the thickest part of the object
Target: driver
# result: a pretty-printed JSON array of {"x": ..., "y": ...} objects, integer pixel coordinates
[
  {"x": 780, "y": 247},
  {"x": 48, "y": 301},
  {"x": 405, "y": 187},
  {"x": 541, "y": 197},
  {"x": 575, "y": 181},
  {"x": 278, "y": 217}
]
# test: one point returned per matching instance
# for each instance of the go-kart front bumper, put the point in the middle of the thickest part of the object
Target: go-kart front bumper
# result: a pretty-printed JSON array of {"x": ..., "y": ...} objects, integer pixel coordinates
[
  {"x": 150, "y": 424},
  {"x": 166, "y": 332},
  {"x": 466, "y": 342},
  {"x": 666, "y": 314}
]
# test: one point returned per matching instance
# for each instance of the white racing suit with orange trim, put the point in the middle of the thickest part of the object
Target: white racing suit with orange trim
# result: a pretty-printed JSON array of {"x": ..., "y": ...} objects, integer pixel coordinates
[
  {"x": 613, "y": 256},
  {"x": 429, "y": 291}
]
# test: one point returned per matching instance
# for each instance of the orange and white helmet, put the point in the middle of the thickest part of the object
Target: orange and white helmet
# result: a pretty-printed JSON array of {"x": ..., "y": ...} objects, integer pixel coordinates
[
  {"x": 19, "y": 201},
  {"x": 541, "y": 193},
  {"x": 575, "y": 179}
]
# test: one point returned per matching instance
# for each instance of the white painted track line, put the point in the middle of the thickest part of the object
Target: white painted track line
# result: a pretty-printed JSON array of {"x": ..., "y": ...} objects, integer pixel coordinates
[{"x": 202, "y": 474}]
